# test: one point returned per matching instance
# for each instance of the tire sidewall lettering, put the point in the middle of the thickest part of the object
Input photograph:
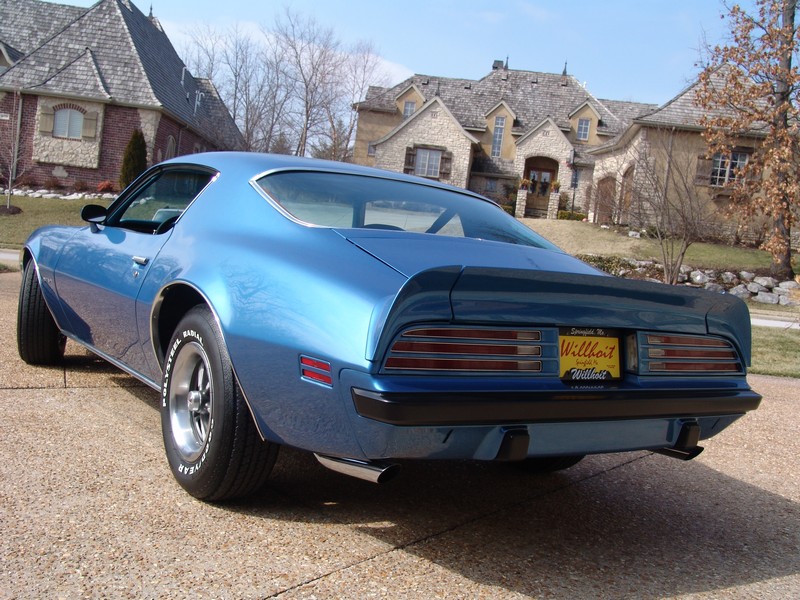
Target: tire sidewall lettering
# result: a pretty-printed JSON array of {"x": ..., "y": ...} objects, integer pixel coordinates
[{"x": 183, "y": 468}]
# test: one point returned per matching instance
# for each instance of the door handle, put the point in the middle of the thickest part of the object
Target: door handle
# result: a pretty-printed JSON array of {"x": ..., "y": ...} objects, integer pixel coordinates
[{"x": 141, "y": 260}]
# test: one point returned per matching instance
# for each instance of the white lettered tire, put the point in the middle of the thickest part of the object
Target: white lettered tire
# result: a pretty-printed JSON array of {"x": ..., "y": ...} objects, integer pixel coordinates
[
  {"x": 211, "y": 442},
  {"x": 39, "y": 340}
]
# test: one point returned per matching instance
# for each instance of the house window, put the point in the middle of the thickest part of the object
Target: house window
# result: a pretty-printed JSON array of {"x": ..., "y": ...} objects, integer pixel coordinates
[
  {"x": 428, "y": 162},
  {"x": 409, "y": 108},
  {"x": 497, "y": 136},
  {"x": 725, "y": 168},
  {"x": 583, "y": 129},
  {"x": 68, "y": 123},
  {"x": 170, "y": 148},
  {"x": 371, "y": 149},
  {"x": 491, "y": 186}
]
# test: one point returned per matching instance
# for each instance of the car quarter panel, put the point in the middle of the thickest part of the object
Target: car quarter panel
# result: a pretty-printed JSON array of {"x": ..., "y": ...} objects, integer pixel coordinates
[{"x": 279, "y": 290}]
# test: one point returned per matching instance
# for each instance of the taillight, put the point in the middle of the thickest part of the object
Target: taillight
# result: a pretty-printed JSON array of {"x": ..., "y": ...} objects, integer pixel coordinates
[
  {"x": 472, "y": 349},
  {"x": 687, "y": 354},
  {"x": 318, "y": 371}
]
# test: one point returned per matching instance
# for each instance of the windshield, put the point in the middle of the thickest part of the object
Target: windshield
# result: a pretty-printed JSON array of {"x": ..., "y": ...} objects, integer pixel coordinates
[{"x": 356, "y": 201}]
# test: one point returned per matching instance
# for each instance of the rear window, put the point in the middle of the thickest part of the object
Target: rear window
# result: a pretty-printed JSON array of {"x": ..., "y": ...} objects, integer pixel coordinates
[{"x": 356, "y": 201}]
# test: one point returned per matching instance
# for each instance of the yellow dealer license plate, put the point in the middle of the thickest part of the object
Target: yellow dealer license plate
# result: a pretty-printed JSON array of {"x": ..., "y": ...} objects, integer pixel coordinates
[{"x": 589, "y": 354}]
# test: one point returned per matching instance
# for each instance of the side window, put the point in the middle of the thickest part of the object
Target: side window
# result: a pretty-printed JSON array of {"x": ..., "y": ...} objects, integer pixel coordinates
[
  {"x": 163, "y": 197},
  {"x": 408, "y": 215}
]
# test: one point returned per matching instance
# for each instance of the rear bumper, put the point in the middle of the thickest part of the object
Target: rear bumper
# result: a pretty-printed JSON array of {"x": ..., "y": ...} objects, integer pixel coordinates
[{"x": 426, "y": 409}]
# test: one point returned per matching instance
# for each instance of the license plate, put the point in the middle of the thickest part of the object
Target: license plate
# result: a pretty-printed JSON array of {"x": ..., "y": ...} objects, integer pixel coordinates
[{"x": 589, "y": 354}]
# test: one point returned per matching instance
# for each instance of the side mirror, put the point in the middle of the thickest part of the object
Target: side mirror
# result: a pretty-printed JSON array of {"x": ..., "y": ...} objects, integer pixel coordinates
[{"x": 94, "y": 214}]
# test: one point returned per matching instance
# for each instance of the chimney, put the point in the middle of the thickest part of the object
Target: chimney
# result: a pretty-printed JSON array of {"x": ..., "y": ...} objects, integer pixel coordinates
[
  {"x": 498, "y": 64},
  {"x": 564, "y": 79}
]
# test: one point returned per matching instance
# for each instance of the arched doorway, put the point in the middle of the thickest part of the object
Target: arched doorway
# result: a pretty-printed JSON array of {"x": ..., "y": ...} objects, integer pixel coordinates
[{"x": 541, "y": 172}]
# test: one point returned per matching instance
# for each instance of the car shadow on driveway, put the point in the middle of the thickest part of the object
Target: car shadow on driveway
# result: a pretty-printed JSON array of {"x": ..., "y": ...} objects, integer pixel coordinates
[
  {"x": 631, "y": 525},
  {"x": 625, "y": 525}
]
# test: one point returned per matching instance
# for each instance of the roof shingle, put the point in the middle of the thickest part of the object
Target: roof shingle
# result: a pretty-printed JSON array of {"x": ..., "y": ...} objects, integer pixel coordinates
[{"x": 110, "y": 52}]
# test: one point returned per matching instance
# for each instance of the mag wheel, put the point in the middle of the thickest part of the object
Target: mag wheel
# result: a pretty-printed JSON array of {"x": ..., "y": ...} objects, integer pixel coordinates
[
  {"x": 39, "y": 340},
  {"x": 211, "y": 442}
]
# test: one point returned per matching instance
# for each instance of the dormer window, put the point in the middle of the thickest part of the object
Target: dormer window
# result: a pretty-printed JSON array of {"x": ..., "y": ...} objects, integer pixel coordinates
[
  {"x": 583, "y": 129},
  {"x": 409, "y": 108}
]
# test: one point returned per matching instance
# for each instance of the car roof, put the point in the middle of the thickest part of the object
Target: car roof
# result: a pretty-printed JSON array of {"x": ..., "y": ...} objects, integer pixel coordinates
[{"x": 250, "y": 165}]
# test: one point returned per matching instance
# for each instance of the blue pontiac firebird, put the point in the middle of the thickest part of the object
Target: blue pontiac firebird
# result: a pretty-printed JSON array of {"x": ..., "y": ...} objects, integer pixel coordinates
[{"x": 368, "y": 316}]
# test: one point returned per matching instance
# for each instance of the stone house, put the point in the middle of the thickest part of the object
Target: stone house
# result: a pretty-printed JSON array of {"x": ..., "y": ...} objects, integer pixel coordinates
[
  {"x": 76, "y": 82},
  {"x": 522, "y": 138},
  {"x": 662, "y": 151}
]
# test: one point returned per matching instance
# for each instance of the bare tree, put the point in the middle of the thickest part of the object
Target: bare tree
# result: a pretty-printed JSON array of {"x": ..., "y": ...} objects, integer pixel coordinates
[
  {"x": 293, "y": 85},
  {"x": 314, "y": 66},
  {"x": 665, "y": 196},
  {"x": 750, "y": 87},
  {"x": 12, "y": 146},
  {"x": 360, "y": 68},
  {"x": 250, "y": 78}
]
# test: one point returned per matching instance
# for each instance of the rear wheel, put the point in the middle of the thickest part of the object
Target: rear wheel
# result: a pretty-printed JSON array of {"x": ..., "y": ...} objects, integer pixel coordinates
[
  {"x": 39, "y": 340},
  {"x": 212, "y": 444},
  {"x": 549, "y": 464}
]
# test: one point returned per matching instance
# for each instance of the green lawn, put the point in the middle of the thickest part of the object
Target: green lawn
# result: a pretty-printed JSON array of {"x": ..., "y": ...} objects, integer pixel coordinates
[
  {"x": 577, "y": 237},
  {"x": 15, "y": 229},
  {"x": 776, "y": 351}
]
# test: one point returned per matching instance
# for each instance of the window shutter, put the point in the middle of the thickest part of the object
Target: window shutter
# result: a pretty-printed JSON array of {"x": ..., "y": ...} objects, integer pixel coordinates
[
  {"x": 89, "y": 125},
  {"x": 446, "y": 166},
  {"x": 703, "y": 173},
  {"x": 46, "y": 116},
  {"x": 411, "y": 156}
]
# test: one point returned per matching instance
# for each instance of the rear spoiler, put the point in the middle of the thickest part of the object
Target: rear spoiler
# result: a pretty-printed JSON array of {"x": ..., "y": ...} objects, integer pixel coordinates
[{"x": 496, "y": 296}]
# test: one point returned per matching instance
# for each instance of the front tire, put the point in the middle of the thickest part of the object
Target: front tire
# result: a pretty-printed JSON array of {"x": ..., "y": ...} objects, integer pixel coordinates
[
  {"x": 211, "y": 442},
  {"x": 39, "y": 340}
]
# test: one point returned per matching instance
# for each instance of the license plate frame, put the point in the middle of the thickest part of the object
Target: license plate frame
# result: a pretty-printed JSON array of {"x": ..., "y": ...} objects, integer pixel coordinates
[{"x": 589, "y": 354}]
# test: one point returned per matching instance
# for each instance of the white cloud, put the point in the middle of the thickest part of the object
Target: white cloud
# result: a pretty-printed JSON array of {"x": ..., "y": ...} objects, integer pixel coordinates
[{"x": 395, "y": 72}]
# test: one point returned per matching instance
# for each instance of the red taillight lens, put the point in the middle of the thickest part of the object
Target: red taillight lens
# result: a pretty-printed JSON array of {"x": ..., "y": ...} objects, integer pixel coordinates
[
  {"x": 316, "y": 370},
  {"x": 466, "y": 350},
  {"x": 688, "y": 354}
]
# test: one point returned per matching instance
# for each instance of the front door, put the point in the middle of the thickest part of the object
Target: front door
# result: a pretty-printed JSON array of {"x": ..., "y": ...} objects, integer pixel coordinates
[{"x": 98, "y": 279}]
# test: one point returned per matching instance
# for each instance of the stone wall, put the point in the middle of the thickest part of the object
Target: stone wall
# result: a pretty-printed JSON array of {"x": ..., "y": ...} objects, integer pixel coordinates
[
  {"x": 431, "y": 126},
  {"x": 547, "y": 141},
  {"x": 84, "y": 152}
]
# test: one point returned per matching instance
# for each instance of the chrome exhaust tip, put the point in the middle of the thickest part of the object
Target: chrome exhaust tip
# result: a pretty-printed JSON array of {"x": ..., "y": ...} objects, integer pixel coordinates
[{"x": 375, "y": 472}]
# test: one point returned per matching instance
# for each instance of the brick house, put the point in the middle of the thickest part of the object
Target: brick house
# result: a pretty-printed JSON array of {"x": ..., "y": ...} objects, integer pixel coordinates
[
  {"x": 520, "y": 137},
  {"x": 76, "y": 82}
]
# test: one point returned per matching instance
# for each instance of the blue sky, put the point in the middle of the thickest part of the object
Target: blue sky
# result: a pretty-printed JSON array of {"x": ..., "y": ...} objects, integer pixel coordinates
[{"x": 642, "y": 50}]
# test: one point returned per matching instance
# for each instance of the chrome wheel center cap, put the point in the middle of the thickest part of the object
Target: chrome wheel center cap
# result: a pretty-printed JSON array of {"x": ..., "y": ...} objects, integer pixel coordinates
[{"x": 194, "y": 400}]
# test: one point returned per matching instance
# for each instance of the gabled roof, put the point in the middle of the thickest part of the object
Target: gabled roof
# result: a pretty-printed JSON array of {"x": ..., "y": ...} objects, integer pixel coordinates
[
  {"x": 80, "y": 77},
  {"x": 531, "y": 95},
  {"x": 436, "y": 101},
  {"x": 580, "y": 107},
  {"x": 112, "y": 53},
  {"x": 505, "y": 105},
  {"x": 681, "y": 111},
  {"x": 545, "y": 122}
]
